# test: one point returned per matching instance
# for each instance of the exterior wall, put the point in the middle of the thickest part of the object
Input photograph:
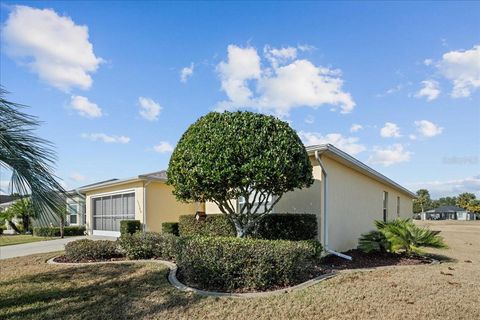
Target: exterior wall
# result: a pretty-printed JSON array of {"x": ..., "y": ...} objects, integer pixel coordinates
[
  {"x": 136, "y": 186},
  {"x": 163, "y": 207},
  {"x": 355, "y": 201}
]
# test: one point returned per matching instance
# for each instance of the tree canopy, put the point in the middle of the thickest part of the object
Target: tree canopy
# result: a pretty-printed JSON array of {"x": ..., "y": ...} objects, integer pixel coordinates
[{"x": 224, "y": 157}]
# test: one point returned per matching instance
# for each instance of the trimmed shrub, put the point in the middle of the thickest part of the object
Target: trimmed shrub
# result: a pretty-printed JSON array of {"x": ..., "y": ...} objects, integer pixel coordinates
[
  {"x": 373, "y": 241},
  {"x": 55, "y": 231},
  {"x": 170, "y": 228},
  {"x": 275, "y": 226},
  {"x": 85, "y": 249},
  {"x": 233, "y": 264},
  {"x": 213, "y": 225},
  {"x": 148, "y": 245},
  {"x": 130, "y": 226},
  {"x": 286, "y": 226}
]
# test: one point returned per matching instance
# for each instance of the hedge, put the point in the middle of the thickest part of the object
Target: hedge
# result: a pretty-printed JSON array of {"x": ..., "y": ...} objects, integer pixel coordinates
[
  {"x": 130, "y": 226},
  {"x": 55, "y": 231},
  {"x": 276, "y": 226},
  {"x": 232, "y": 264},
  {"x": 88, "y": 250},
  {"x": 148, "y": 245},
  {"x": 170, "y": 228}
]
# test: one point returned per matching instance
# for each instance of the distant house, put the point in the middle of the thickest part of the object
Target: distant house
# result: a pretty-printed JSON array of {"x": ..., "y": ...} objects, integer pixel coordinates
[{"x": 448, "y": 213}]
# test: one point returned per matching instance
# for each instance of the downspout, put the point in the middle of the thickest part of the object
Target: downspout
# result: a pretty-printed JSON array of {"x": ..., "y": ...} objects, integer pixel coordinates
[
  {"x": 145, "y": 184},
  {"x": 325, "y": 215}
]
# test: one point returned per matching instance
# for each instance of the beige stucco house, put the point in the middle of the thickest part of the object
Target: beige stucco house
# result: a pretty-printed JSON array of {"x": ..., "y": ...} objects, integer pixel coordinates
[{"x": 347, "y": 194}]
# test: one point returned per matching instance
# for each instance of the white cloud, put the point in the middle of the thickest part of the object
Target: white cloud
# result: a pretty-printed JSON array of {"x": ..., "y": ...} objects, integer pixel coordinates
[
  {"x": 52, "y": 46},
  {"x": 449, "y": 187},
  {"x": 4, "y": 186},
  {"x": 430, "y": 90},
  {"x": 309, "y": 119},
  {"x": 428, "y": 129},
  {"x": 284, "y": 85},
  {"x": 149, "y": 109},
  {"x": 85, "y": 107},
  {"x": 387, "y": 156},
  {"x": 427, "y": 62},
  {"x": 462, "y": 68},
  {"x": 356, "y": 127},
  {"x": 186, "y": 73},
  {"x": 106, "y": 138},
  {"x": 348, "y": 144},
  {"x": 412, "y": 137},
  {"x": 390, "y": 91},
  {"x": 77, "y": 177},
  {"x": 163, "y": 147},
  {"x": 390, "y": 130}
]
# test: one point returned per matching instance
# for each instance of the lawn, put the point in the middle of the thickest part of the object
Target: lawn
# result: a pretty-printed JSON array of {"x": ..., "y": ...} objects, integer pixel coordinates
[
  {"x": 7, "y": 240},
  {"x": 31, "y": 289}
]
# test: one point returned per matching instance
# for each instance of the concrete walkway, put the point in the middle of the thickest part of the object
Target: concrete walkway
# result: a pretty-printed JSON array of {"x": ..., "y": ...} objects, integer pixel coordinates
[{"x": 25, "y": 249}]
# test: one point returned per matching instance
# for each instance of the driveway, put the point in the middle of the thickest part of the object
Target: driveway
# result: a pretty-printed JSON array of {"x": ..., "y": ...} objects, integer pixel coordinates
[{"x": 25, "y": 249}]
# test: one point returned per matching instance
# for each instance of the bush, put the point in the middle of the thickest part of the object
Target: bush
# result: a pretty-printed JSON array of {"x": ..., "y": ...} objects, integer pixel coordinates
[
  {"x": 373, "y": 241},
  {"x": 130, "y": 226},
  {"x": 285, "y": 226},
  {"x": 85, "y": 249},
  {"x": 55, "y": 231},
  {"x": 230, "y": 264},
  {"x": 275, "y": 226},
  {"x": 401, "y": 236},
  {"x": 213, "y": 225},
  {"x": 148, "y": 245},
  {"x": 170, "y": 228}
]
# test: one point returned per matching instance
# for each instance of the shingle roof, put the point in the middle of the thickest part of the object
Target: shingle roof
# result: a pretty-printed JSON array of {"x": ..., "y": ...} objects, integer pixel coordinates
[{"x": 446, "y": 209}]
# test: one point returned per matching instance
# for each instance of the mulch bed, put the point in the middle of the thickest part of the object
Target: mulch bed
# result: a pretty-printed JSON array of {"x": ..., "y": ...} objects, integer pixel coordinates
[
  {"x": 63, "y": 259},
  {"x": 362, "y": 260}
]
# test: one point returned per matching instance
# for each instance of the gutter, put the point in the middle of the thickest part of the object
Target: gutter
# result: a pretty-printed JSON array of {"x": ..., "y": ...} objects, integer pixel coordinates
[{"x": 325, "y": 215}]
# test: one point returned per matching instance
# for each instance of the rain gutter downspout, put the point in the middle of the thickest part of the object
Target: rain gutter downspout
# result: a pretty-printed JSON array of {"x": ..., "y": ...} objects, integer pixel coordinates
[
  {"x": 325, "y": 221},
  {"x": 145, "y": 184}
]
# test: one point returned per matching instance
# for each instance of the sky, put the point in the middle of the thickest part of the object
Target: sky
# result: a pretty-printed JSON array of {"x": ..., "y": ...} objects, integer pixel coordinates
[{"x": 115, "y": 84}]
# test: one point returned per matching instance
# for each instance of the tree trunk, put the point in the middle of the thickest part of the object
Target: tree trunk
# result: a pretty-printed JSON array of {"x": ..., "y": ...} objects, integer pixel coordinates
[
  {"x": 13, "y": 226},
  {"x": 62, "y": 224},
  {"x": 26, "y": 223},
  {"x": 240, "y": 230}
]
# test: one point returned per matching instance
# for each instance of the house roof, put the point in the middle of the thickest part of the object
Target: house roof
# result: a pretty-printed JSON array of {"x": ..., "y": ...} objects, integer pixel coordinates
[
  {"x": 357, "y": 165},
  {"x": 444, "y": 209},
  {"x": 152, "y": 176},
  {"x": 7, "y": 198}
]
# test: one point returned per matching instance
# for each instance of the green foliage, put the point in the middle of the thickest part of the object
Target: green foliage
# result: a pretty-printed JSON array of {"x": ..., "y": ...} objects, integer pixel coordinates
[
  {"x": 403, "y": 235},
  {"x": 1, "y": 230},
  {"x": 373, "y": 241},
  {"x": 213, "y": 225},
  {"x": 55, "y": 231},
  {"x": 22, "y": 209},
  {"x": 474, "y": 206},
  {"x": 224, "y": 156},
  {"x": 130, "y": 226},
  {"x": 148, "y": 245},
  {"x": 286, "y": 226},
  {"x": 90, "y": 250},
  {"x": 229, "y": 264},
  {"x": 29, "y": 158},
  {"x": 170, "y": 228},
  {"x": 273, "y": 226},
  {"x": 464, "y": 199},
  {"x": 423, "y": 201},
  {"x": 444, "y": 201}
]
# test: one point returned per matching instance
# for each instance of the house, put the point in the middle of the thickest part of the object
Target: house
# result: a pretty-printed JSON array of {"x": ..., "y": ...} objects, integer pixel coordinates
[
  {"x": 448, "y": 213},
  {"x": 347, "y": 194}
]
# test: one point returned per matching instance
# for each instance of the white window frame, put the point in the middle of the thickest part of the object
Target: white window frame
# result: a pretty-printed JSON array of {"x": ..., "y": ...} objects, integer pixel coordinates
[{"x": 385, "y": 206}]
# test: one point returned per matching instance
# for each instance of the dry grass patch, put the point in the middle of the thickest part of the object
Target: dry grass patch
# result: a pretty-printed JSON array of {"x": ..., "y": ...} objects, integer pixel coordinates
[{"x": 31, "y": 289}]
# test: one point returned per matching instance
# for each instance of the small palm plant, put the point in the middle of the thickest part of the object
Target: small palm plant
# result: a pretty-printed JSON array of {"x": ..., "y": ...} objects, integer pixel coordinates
[{"x": 400, "y": 235}]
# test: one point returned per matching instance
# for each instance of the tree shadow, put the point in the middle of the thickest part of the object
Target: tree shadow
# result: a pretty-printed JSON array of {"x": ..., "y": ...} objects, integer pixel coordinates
[
  {"x": 94, "y": 292},
  {"x": 440, "y": 257}
]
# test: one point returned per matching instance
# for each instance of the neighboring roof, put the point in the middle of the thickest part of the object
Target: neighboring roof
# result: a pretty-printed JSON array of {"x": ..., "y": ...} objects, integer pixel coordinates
[
  {"x": 444, "y": 209},
  {"x": 7, "y": 198},
  {"x": 153, "y": 176},
  {"x": 345, "y": 158}
]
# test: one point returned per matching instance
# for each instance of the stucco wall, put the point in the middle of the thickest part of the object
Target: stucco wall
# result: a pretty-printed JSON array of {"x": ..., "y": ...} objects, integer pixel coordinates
[
  {"x": 355, "y": 201},
  {"x": 136, "y": 187},
  {"x": 163, "y": 207}
]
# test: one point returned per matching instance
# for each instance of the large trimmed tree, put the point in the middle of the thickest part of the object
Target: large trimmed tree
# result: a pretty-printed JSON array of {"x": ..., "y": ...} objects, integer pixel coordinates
[{"x": 224, "y": 157}]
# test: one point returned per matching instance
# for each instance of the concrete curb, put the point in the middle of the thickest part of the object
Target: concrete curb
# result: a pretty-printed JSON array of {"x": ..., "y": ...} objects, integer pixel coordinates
[{"x": 172, "y": 278}]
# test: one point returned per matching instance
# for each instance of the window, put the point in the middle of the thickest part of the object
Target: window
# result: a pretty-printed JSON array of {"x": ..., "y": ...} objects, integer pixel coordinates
[
  {"x": 398, "y": 206},
  {"x": 262, "y": 209},
  {"x": 108, "y": 211},
  {"x": 385, "y": 205},
  {"x": 72, "y": 210}
]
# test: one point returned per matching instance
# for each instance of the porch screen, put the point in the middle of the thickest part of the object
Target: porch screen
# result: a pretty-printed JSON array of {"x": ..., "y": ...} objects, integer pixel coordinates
[{"x": 108, "y": 211}]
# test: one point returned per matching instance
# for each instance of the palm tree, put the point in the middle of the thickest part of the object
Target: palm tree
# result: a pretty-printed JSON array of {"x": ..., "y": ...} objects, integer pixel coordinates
[{"x": 30, "y": 159}]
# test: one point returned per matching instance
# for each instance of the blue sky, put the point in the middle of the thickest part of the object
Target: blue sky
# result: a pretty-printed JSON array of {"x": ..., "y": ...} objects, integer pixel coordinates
[{"x": 397, "y": 85}]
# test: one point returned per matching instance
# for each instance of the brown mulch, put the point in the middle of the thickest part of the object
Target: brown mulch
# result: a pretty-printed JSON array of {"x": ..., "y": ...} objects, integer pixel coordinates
[
  {"x": 362, "y": 260},
  {"x": 63, "y": 259}
]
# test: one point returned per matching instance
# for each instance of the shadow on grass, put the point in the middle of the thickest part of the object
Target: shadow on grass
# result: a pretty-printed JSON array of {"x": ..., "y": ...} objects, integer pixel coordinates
[
  {"x": 92, "y": 292},
  {"x": 440, "y": 257}
]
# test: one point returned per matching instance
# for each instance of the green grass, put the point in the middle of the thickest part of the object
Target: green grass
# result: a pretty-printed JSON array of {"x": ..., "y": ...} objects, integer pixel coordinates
[{"x": 7, "y": 240}]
